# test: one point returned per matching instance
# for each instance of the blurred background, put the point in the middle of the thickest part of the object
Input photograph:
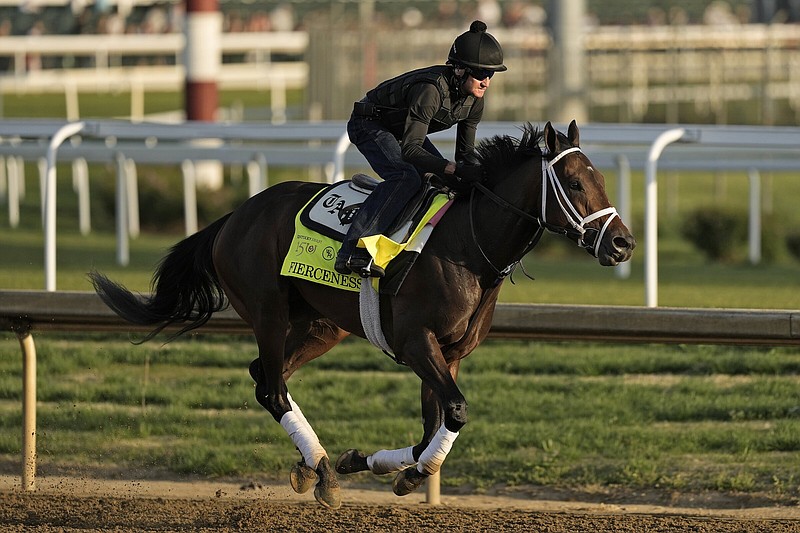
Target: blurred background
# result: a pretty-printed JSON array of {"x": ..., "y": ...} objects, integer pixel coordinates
[{"x": 712, "y": 62}]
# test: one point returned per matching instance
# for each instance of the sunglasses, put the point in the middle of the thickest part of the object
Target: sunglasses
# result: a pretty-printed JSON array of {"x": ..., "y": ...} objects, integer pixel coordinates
[{"x": 480, "y": 73}]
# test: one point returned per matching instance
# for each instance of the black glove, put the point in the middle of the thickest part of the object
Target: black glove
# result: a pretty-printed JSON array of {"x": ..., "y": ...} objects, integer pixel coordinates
[{"x": 469, "y": 174}]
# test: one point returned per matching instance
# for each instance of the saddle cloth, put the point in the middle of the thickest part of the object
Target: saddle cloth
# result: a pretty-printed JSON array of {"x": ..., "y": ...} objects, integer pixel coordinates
[{"x": 322, "y": 224}]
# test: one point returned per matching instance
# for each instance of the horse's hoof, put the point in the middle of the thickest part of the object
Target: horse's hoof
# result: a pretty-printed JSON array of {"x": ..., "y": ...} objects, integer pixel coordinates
[
  {"x": 328, "y": 496},
  {"x": 351, "y": 461},
  {"x": 302, "y": 477},
  {"x": 407, "y": 481},
  {"x": 327, "y": 491}
]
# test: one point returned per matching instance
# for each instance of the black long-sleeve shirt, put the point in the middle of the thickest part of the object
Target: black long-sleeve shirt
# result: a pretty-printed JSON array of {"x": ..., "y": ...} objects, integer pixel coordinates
[{"x": 415, "y": 112}]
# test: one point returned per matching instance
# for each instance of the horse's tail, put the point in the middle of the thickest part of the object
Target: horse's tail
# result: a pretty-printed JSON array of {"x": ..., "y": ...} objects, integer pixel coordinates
[{"x": 185, "y": 288}]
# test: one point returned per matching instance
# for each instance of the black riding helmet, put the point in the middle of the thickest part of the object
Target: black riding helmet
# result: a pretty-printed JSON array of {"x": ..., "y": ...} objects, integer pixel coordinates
[{"x": 477, "y": 49}]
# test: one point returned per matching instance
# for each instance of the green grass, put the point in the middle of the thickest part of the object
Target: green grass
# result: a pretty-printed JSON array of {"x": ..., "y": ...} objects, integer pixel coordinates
[{"x": 570, "y": 415}]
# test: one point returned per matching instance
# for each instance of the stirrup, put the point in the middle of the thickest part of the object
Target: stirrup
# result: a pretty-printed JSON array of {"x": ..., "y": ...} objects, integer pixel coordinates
[{"x": 365, "y": 267}]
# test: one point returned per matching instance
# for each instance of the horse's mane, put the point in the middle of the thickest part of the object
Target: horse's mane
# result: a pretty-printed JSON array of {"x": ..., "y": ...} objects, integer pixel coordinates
[{"x": 504, "y": 152}]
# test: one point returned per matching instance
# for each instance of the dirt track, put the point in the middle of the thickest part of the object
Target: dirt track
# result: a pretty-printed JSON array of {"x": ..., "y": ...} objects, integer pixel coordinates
[{"x": 68, "y": 504}]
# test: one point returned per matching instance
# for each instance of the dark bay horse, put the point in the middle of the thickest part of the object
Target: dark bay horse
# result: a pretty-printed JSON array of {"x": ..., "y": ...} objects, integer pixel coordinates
[{"x": 441, "y": 313}]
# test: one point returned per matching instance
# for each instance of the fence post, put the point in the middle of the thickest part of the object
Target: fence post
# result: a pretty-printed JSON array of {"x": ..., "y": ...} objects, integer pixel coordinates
[
  {"x": 123, "y": 233},
  {"x": 63, "y": 133},
  {"x": 80, "y": 183},
  {"x": 13, "y": 190},
  {"x": 132, "y": 192},
  {"x": 651, "y": 214},
  {"x": 257, "y": 174},
  {"x": 28, "y": 406},
  {"x": 338, "y": 157},
  {"x": 189, "y": 196},
  {"x": 754, "y": 225},
  {"x": 623, "y": 270},
  {"x": 433, "y": 488}
]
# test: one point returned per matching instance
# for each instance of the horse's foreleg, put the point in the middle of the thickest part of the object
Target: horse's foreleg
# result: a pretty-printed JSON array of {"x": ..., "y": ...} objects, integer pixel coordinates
[
  {"x": 390, "y": 461},
  {"x": 437, "y": 439},
  {"x": 428, "y": 455},
  {"x": 448, "y": 419}
]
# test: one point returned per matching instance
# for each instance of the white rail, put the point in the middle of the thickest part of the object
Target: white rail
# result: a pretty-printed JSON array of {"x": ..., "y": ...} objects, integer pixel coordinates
[
  {"x": 620, "y": 146},
  {"x": 256, "y": 71}
]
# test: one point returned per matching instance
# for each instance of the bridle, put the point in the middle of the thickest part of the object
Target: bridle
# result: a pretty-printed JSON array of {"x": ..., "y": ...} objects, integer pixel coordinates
[
  {"x": 577, "y": 229},
  {"x": 578, "y": 223}
]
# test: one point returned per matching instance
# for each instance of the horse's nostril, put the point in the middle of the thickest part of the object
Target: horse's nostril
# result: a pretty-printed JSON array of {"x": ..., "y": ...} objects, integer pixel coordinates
[{"x": 624, "y": 243}]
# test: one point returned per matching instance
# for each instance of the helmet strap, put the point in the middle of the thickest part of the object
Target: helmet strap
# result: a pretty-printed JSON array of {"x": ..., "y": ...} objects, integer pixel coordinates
[{"x": 459, "y": 78}]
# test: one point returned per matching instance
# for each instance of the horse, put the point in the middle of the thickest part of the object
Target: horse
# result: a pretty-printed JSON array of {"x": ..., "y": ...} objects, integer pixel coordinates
[{"x": 440, "y": 314}]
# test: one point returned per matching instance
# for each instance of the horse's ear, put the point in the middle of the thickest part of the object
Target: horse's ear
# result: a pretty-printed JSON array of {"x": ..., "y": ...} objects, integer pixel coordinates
[
  {"x": 550, "y": 138},
  {"x": 573, "y": 134}
]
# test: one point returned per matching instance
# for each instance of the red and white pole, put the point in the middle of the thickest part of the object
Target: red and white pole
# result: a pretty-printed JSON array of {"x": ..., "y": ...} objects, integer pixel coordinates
[{"x": 202, "y": 57}]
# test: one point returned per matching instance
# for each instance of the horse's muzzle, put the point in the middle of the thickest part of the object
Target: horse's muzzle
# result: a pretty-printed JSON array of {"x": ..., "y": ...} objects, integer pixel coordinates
[{"x": 616, "y": 248}]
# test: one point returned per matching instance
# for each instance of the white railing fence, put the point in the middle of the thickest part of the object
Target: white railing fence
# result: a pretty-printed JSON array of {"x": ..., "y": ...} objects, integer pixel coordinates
[
  {"x": 620, "y": 147},
  {"x": 144, "y": 63}
]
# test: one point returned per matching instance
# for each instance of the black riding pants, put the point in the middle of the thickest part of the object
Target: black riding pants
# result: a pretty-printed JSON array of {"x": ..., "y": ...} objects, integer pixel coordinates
[{"x": 401, "y": 180}]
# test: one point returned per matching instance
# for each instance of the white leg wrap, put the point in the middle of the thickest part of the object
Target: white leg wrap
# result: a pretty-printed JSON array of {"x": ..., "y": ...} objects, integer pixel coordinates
[
  {"x": 303, "y": 437},
  {"x": 388, "y": 461},
  {"x": 432, "y": 458},
  {"x": 298, "y": 412}
]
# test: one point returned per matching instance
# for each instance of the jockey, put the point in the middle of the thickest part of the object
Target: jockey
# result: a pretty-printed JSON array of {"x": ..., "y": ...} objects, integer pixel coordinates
[{"x": 389, "y": 126}]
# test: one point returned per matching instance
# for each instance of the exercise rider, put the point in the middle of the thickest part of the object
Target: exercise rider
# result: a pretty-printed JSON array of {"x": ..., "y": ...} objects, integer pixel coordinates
[{"x": 390, "y": 127}]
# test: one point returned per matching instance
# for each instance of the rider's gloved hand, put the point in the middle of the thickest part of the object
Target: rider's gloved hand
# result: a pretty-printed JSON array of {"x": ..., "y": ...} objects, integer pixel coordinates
[{"x": 469, "y": 174}]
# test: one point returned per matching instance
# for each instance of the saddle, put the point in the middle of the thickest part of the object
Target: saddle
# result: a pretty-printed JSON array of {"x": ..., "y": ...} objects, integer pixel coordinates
[
  {"x": 323, "y": 223},
  {"x": 332, "y": 211}
]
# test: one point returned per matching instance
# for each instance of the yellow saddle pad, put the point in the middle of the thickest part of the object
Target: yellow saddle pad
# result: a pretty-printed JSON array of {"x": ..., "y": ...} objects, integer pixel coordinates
[{"x": 311, "y": 255}]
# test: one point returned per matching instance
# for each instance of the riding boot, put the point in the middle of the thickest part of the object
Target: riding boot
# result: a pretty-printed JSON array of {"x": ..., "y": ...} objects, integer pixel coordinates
[
  {"x": 342, "y": 258},
  {"x": 374, "y": 217}
]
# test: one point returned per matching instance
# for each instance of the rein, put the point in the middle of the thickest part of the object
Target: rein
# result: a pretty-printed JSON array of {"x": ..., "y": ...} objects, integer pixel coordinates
[
  {"x": 576, "y": 221},
  {"x": 517, "y": 211}
]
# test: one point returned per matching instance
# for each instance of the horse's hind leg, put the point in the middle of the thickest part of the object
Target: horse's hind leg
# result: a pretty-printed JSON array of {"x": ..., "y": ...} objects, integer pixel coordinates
[
  {"x": 307, "y": 339},
  {"x": 247, "y": 256}
]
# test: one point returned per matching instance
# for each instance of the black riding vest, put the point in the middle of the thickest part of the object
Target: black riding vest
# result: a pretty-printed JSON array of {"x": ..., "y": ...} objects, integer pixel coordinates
[{"x": 392, "y": 97}]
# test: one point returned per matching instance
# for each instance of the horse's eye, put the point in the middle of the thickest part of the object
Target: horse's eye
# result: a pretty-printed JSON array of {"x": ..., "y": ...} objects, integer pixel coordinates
[{"x": 575, "y": 185}]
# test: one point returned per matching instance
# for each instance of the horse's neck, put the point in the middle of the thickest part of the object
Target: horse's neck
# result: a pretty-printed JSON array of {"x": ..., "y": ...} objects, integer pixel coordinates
[{"x": 504, "y": 234}]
